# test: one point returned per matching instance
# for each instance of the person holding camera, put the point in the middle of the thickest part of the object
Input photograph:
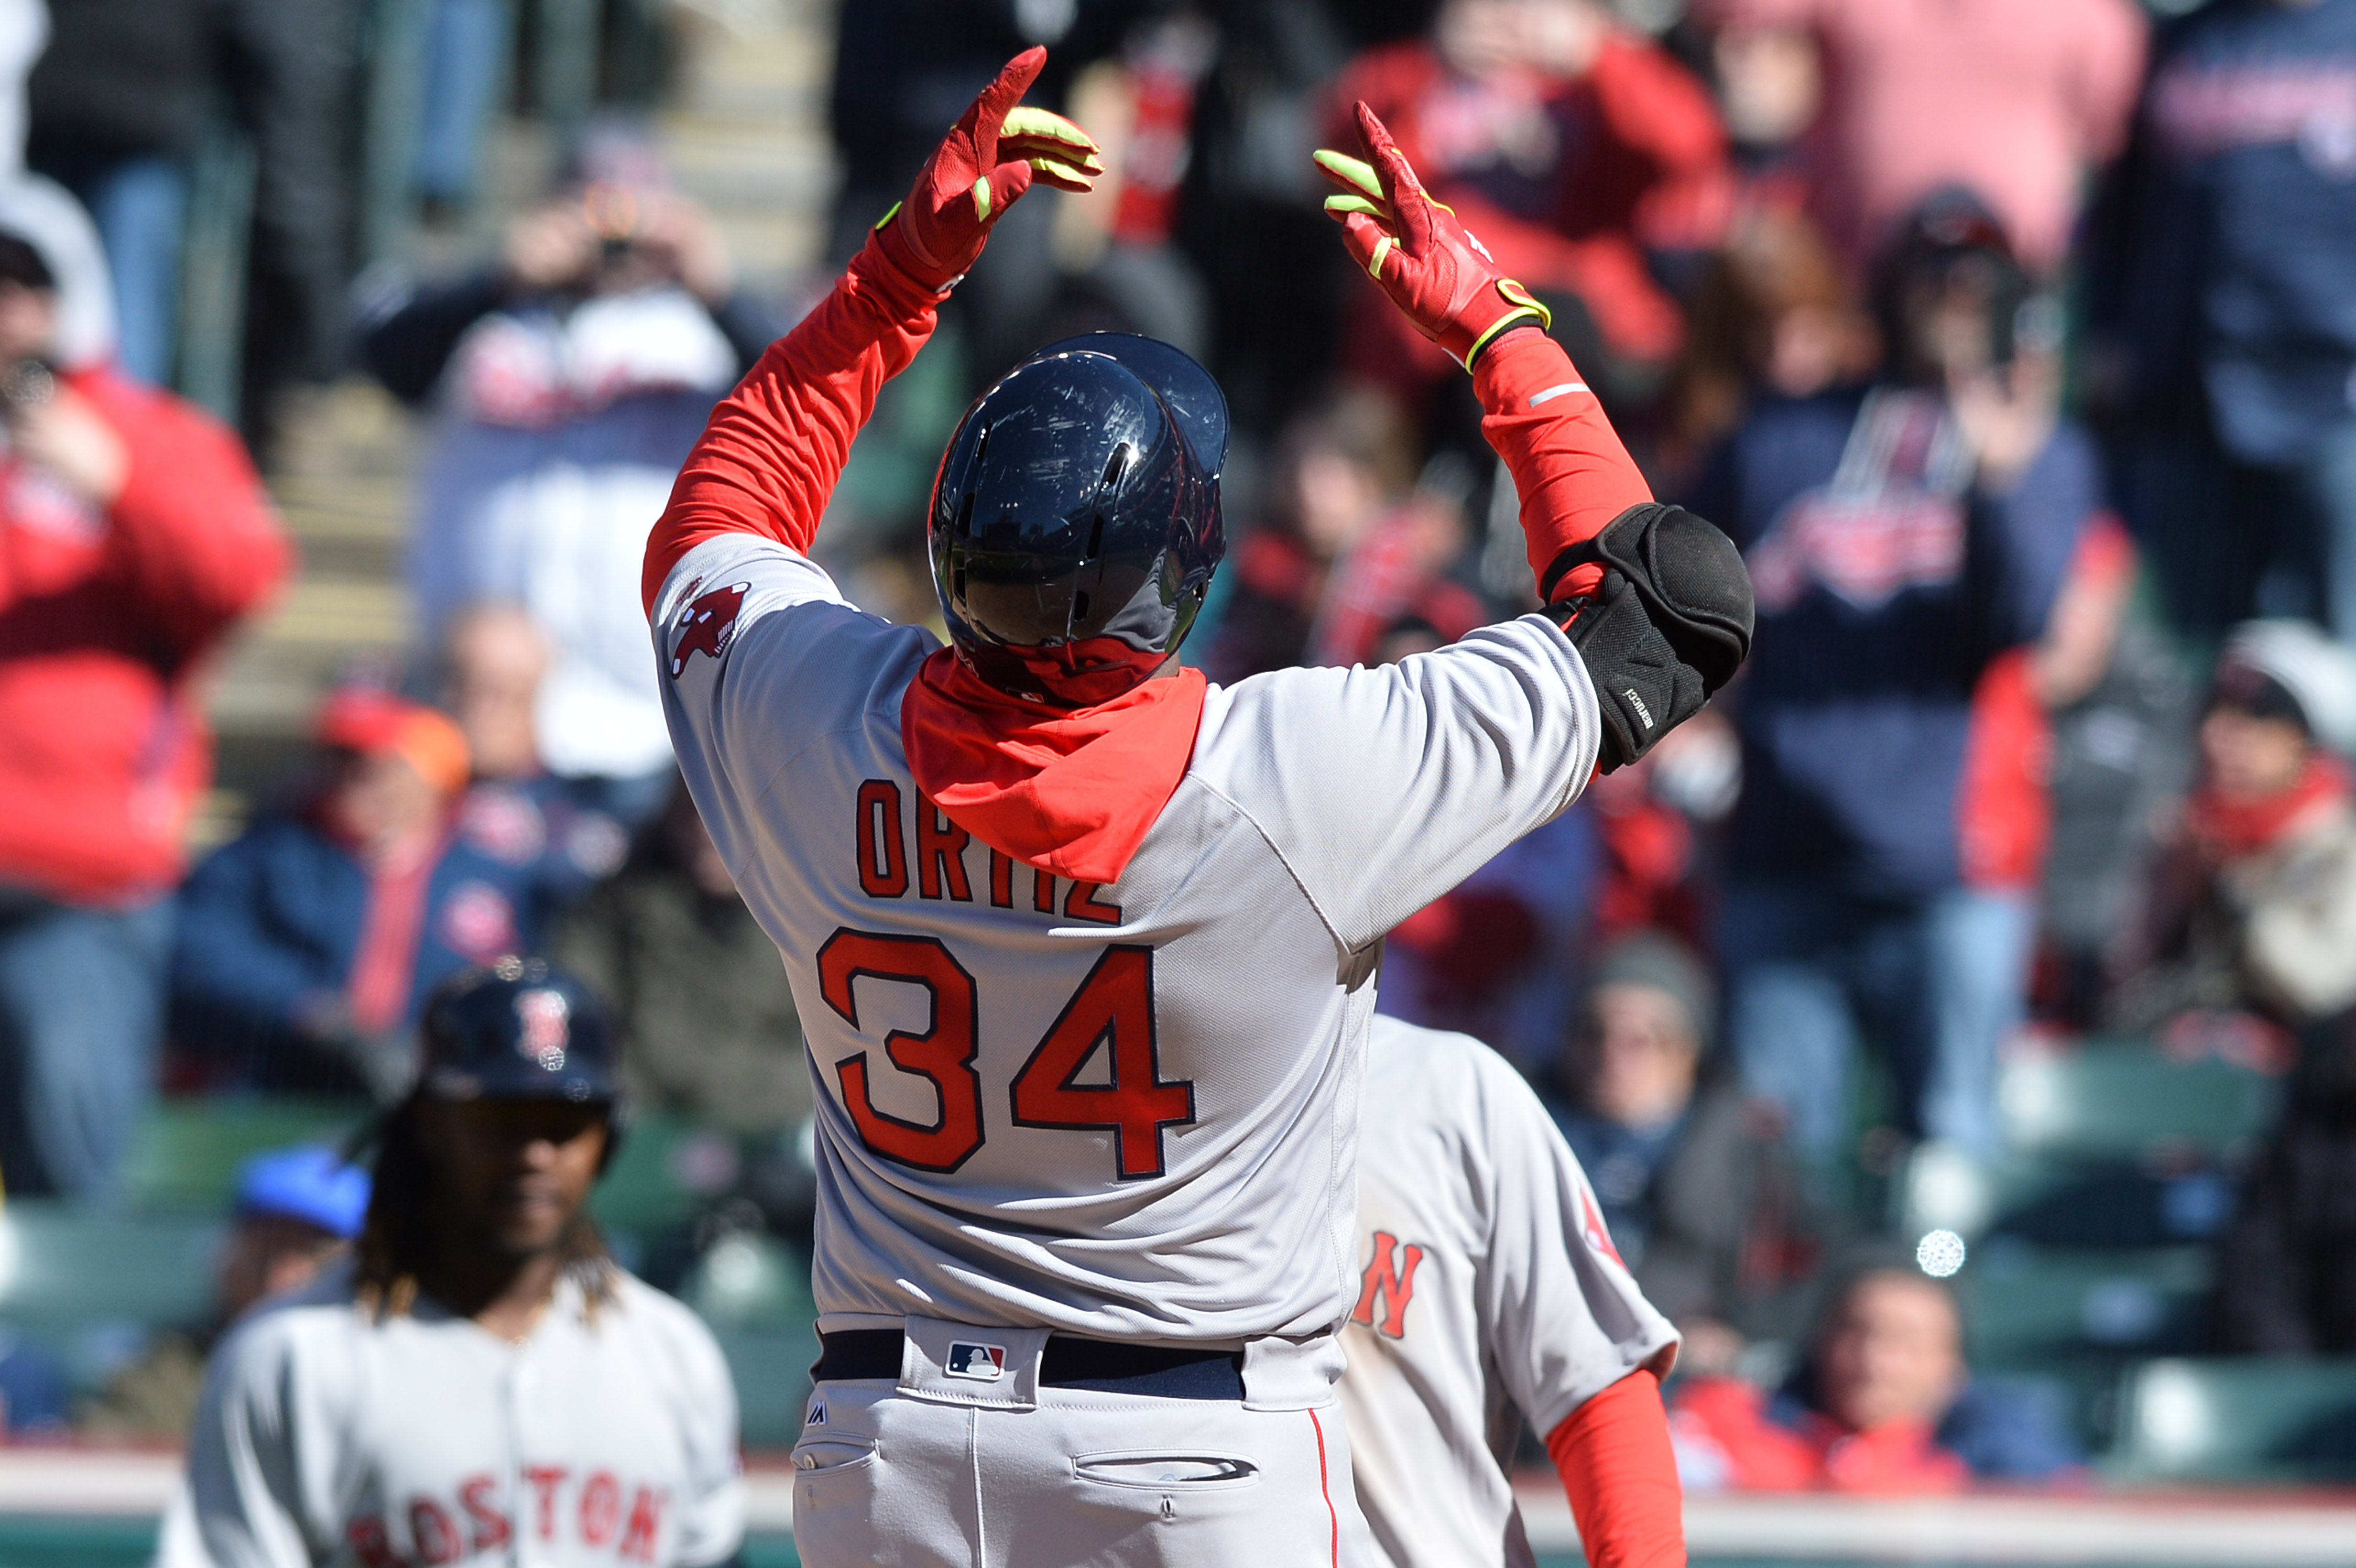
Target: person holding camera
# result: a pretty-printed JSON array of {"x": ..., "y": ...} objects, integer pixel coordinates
[
  {"x": 570, "y": 379},
  {"x": 134, "y": 536},
  {"x": 1900, "y": 535}
]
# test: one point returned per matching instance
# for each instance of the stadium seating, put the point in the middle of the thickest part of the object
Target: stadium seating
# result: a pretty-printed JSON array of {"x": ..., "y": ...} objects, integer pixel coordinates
[
  {"x": 2241, "y": 1420},
  {"x": 186, "y": 1156},
  {"x": 2091, "y": 1240},
  {"x": 2124, "y": 1100}
]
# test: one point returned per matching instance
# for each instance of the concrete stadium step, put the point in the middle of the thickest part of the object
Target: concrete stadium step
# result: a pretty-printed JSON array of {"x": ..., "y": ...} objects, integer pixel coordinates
[{"x": 748, "y": 135}]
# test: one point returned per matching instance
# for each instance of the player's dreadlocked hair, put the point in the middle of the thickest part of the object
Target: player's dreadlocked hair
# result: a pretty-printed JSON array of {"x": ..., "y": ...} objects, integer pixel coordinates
[{"x": 397, "y": 1237}]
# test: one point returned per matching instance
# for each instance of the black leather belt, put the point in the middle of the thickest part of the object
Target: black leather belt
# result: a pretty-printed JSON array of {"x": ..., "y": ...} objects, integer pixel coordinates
[{"x": 1160, "y": 1371}]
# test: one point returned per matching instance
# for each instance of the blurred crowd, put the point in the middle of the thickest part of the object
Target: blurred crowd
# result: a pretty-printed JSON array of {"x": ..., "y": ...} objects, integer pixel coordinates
[{"x": 2014, "y": 342}]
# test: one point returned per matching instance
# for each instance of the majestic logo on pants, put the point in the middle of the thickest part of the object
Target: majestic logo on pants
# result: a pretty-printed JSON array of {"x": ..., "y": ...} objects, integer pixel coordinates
[{"x": 982, "y": 1363}]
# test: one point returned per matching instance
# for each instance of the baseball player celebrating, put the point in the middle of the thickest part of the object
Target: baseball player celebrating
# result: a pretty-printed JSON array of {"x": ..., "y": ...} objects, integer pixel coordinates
[
  {"x": 1492, "y": 1294},
  {"x": 479, "y": 1383},
  {"x": 1084, "y": 947}
]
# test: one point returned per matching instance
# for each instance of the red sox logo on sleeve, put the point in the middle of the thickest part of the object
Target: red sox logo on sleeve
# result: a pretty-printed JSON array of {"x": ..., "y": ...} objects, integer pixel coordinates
[
  {"x": 1591, "y": 1224},
  {"x": 706, "y": 624}
]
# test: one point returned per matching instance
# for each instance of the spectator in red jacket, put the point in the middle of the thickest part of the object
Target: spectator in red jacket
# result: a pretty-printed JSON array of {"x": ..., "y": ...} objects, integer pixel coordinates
[
  {"x": 1572, "y": 147},
  {"x": 133, "y": 535}
]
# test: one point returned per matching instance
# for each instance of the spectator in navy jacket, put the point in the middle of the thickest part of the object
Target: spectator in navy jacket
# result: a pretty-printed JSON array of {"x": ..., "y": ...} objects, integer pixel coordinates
[
  {"x": 2226, "y": 310},
  {"x": 1899, "y": 538},
  {"x": 307, "y": 945}
]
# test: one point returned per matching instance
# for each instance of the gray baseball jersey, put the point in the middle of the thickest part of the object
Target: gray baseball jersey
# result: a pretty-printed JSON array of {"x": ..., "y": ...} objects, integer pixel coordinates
[
  {"x": 329, "y": 1436},
  {"x": 1126, "y": 1111},
  {"x": 1490, "y": 1294}
]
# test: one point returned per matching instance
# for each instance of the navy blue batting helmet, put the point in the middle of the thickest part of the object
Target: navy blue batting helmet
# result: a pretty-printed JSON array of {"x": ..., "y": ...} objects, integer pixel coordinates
[
  {"x": 521, "y": 1030},
  {"x": 1075, "y": 521}
]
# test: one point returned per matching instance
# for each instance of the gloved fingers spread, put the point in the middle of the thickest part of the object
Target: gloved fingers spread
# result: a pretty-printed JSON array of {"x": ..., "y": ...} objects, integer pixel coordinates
[
  {"x": 1005, "y": 186},
  {"x": 1409, "y": 202},
  {"x": 1063, "y": 176},
  {"x": 1354, "y": 176},
  {"x": 1029, "y": 133},
  {"x": 989, "y": 111},
  {"x": 1336, "y": 207},
  {"x": 1369, "y": 243}
]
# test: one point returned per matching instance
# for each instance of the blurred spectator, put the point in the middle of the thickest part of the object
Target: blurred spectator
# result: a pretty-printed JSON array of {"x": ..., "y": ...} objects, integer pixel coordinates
[
  {"x": 2118, "y": 710},
  {"x": 35, "y": 1392},
  {"x": 493, "y": 661},
  {"x": 134, "y": 536},
  {"x": 2286, "y": 1269},
  {"x": 1650, "y": 821},
  {"x": 1249, "y": 215},
  {"x": 308, "y": 944},
  {"x": 1884, "y": 1403},
  {"x": 1899, "y": 540},
  {"x": 1770, "y": 85},
  {"x": 2226, "y": 312},
  {"x": 1773, "y": 316},
  {"x": 293, "y": 74},
  {"x": 2252, "y": 907},
  {"x": 1337, "y": 470},
  {"x": 2065, "y": 723},
  {"x": 572, "y": 379},
  {"x": 702, "y": 1010},
  {"x": 466, "y": 66},
  {"x": 1123, "y": 271},
  {"x": 24, "y": 34},
  {"x": 117, "y": 102},
  {"x": 2017, "y": 100},
  {"x": 296, "y": 1209},
  {"x": 1393, "y": 583},
  {"x": 1696, "y": 1187},
  {"x": 1572, "y": 147}
]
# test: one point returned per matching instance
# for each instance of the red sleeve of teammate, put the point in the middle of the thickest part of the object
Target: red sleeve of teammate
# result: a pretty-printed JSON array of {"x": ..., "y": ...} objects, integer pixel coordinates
[
  {"x": 1568, "y": 467},
  {"x": 768, "y": 462},
  {"x": 1614, "y": 1457}
]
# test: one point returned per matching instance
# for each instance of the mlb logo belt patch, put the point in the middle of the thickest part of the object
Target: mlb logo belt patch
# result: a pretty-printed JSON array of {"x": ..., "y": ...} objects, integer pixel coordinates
[{"x": 982, "y": 1363}]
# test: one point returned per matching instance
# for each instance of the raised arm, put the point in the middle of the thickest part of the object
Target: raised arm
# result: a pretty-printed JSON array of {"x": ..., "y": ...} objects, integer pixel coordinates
[
  {"x": 769, "y": 459},
  {"x": 1655, "y": 600}
]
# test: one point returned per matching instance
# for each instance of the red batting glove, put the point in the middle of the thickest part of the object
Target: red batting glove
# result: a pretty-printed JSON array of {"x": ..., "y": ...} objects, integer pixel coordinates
[
  {"x": 988, "y": 161},
  {"x": 1430, "y": 265}
]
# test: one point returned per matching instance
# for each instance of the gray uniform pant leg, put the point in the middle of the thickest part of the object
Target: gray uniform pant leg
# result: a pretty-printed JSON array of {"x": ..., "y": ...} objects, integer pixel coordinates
[{"x": 1084, "y": 1479}]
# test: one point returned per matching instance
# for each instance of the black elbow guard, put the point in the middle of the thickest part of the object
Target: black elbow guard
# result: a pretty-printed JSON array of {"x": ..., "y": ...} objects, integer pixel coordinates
[{"x": 1671, "y": 624}]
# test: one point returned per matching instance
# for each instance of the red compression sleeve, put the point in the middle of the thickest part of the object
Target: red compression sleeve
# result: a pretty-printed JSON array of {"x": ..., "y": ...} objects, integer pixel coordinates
[
  {"x": 1614, "y": 1457},
  {"x": 768, "y": 461},
  {"x": 1568, "y": 467}
]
